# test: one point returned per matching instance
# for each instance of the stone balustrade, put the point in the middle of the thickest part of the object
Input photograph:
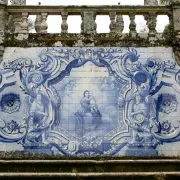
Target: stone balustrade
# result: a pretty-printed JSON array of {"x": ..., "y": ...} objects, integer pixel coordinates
[
  {"x": 88, "y": 15},
  {"x": 20, "y": 13}
]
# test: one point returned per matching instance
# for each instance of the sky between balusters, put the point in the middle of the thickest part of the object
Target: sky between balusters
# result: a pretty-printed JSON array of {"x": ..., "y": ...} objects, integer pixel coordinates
[{"x": 54, "y": 22}]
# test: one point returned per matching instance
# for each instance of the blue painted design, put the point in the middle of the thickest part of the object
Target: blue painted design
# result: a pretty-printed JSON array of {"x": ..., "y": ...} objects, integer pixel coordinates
[
  {"x": 13, "y": 126},
  {"x": 10, "y": 103},
  {"x": 91, "y": 102},
  {"x": 167, "y": 103},
  {"x": 166, "y": 126}
]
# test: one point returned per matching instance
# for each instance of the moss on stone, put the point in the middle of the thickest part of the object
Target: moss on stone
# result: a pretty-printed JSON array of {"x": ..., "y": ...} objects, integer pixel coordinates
[{"x": 70, "y": 40}]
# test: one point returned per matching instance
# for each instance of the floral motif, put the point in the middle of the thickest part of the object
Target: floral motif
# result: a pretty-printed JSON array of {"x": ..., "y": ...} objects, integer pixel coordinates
[
  {"x": 13, "y": 126},
  {"x": 166, "y": 126},
  {"x": 10, "y": 103}
]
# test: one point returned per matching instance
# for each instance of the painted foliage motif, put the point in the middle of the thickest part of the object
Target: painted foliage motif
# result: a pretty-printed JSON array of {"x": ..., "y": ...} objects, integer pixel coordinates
[{"x": 89, "y": 102}]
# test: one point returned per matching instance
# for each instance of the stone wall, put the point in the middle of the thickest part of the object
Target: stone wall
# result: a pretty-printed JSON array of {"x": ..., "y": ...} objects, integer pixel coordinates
[{"x": 90, "y": 101}]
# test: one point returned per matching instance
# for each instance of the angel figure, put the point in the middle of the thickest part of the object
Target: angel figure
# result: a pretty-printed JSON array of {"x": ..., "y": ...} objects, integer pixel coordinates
[{"x": 142, "y": 117}]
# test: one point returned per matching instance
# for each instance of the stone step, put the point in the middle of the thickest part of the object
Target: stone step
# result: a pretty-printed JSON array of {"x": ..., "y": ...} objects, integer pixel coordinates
[
  {"x": 94, "y": 176},
  {"x": 88, "y": 166}
]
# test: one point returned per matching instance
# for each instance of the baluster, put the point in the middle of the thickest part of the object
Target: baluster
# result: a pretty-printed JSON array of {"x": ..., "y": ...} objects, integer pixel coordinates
[
  {"x": 112, "y": 25},
  {"x": 24, "y": 25},
  {"x": 82, "y": 23},
  {"x": 64, "y": 25},
  {"x": 119, "y": 24},
  {"x": 38, "y": 22},
  {"x": 146, "y": 17},
  {"x": 132, "y": 26},
  {"x": 17, "y": 23},
  {"x": 151, "y": 22},
  {"x": 95, "y": 25},
  {"x": 44, "y": 25}
]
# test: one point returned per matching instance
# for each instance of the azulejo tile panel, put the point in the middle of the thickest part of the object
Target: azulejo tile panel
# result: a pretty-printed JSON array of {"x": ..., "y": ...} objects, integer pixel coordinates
[{"x": 90, "y": 101}]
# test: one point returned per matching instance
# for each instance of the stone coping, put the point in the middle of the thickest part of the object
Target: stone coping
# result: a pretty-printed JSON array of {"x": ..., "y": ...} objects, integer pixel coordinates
[
  {"x": 85, "y": 40},
  {"x": 77, "y": 10}
]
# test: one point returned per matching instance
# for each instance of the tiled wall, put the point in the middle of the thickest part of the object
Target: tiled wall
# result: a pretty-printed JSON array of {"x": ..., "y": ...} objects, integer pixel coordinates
[{"x": 90, "y": 101}]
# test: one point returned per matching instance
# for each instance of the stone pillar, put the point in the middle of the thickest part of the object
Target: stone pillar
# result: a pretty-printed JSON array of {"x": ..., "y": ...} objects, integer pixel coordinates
[
  {"x": 119, "y": 24},
  {"x": 151, "y": 2},
  {"x": 176, "y": 28},
  {"x": 112, "y": 25},
  {"x": 64, "y": 25},
  {"x": 132, "y": 25},
  {"x": 3, "y": 4},
  {"x": 38, "y": 22},
  {"x": 88, "y": 25},
  {"x": 24, "y": 24},
  {"x": 44, "y": 25},
  {"x": 151, "y": 23}
]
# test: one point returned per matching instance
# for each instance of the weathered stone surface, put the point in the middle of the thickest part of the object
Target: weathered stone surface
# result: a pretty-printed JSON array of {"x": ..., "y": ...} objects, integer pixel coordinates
[
  {"x": 38, "y": 22},
  {"x": 176, "y": 21},
  {"x": 112, "y": 25},
  {"x": 70, "y": 40},
  {"x": 89, "y": 25},
  {"x": 44, "y": 25},
  {"x": 17, "y": 23},
  {"x": 64, "y": 25},
  {"x": 2, "y": 24},
  {"x": 132, "y": 25},
  {"x": 119, "y": 24}
]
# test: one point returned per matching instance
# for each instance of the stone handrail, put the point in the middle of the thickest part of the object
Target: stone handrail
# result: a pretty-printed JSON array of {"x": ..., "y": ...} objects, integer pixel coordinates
[
  {"x": 77, "y": 10},
  {"x": 88, "y": 15}
]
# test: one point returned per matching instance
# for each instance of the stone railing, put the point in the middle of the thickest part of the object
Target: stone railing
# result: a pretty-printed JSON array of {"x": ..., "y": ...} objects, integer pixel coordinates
[
  {"x": 21, "y": 12},
  {"x": 88, "y": 15}
]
